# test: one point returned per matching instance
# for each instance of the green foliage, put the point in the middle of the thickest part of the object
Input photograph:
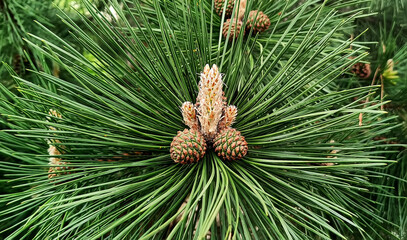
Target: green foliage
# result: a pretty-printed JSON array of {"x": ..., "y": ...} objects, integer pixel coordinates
[
  {"x": 19, "y": 19},
  {"x": 388, "y": 56},
  {"x": 16, "y": 20},
  {"x": 393, "y": 203},
  {"x": 309, "y": 168},
  {"x": 382, "y": 5}
]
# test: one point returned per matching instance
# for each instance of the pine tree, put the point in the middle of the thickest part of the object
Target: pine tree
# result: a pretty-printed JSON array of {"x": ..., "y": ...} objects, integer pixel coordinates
[{"x": 93, "y": 144}]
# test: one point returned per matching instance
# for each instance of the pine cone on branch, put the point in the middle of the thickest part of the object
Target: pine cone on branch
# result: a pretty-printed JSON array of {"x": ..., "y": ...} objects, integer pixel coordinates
[
  {"x": 258, "y": 21},
  {"x": 219, "y": 4}
]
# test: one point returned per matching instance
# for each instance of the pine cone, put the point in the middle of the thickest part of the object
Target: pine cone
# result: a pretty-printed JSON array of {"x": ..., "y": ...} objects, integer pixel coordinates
[
  {"x": 258, "y": 21},
  {"x": 230, "y": 144},
  {"x": 188, "y": 146},
  {"x": 229, "y": 8},
  {"x": 235, "y": 31},
  {"x": 362, "y": 70}
]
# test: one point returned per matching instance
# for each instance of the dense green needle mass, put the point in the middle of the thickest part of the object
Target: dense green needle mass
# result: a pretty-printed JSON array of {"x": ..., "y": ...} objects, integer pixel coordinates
[
  {"x": 388, "y": 59},
  {"x": 309, "y": 168}
]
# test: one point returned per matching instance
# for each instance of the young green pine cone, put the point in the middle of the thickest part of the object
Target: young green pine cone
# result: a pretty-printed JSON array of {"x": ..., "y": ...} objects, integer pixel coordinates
[
  {"x": 235, "y": 29},
  {"x": 230, "y": 144},
  {"x": 258, "y": 21},
  {"x": 389, "y": 73},
  {"x": 219, "y": 4},
  {"x": 188, "y": 146}
]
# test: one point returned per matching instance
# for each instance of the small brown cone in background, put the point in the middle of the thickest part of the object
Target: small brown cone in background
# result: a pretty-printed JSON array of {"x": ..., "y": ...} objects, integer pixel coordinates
[
  {"x": 219, "y": 4},
  {"x": 235, "y": 28},
  {"x": 188, "y": 146},
  {"x": 362, "y": 70},
  {"x": 258, "y": 21},
  {"x": 230, "y": 144}
]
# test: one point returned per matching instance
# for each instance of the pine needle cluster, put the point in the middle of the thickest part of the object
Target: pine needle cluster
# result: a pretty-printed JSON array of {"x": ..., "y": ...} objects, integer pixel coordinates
[{"x": 310, "y": 165}]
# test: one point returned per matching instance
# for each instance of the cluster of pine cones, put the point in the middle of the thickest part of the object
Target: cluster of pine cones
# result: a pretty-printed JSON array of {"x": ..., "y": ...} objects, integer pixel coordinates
[
  {"x": 210, "y": 121},
  {"x": 257, "y": 20}
]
